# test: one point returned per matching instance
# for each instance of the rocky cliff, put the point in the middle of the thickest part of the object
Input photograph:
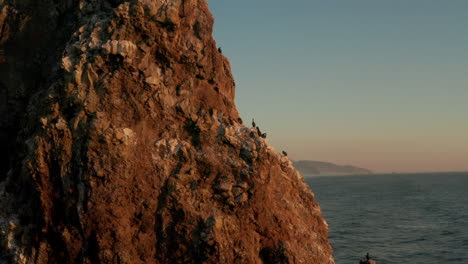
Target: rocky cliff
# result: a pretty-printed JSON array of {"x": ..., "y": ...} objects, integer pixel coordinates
[{"x": 121, "y": 143}]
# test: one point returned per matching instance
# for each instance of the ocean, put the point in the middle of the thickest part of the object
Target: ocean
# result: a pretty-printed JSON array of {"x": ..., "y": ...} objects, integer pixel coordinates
[{"x": 397, "y": 218}]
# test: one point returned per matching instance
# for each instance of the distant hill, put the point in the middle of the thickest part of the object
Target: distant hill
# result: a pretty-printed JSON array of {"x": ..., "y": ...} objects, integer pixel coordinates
[{"x": 319, "y": 168}]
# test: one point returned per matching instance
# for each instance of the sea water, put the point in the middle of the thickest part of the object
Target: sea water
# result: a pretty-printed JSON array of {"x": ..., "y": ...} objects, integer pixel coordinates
[{"x": 412, "y": 218}]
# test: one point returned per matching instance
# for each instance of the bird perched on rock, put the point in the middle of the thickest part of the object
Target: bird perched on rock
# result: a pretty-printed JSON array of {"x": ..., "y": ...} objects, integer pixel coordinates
[
  {"x": 263, "y": 135},
  {"x": 259, "y": 132},
  {"x": 253, "y": 123},
  {"x": 367, "y": 260},
  {"x": 284, "y": 153},
  {"x": 220, "y": 50}
]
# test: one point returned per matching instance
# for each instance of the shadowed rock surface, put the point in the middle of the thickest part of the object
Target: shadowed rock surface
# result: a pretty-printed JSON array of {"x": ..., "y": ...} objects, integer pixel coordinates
[{"x": 121, "y": 143}]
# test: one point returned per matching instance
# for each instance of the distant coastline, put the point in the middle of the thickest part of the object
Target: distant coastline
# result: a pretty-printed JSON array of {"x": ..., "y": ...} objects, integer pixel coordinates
[
  {"x": 420, "y": 172},
  {"x": 310, "y": 168},
  {"x": 390, "y": 174}
]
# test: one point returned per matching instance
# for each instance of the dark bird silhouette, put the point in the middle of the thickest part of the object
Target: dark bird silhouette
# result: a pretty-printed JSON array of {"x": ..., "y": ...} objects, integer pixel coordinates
[
  {"x": 367, "y": 260},
  {"x": 263, "y": 135},
  {"x": 259, "y": 132},
  {"x": 284, "y": 153},
  {"x": 253, "y": 123},
  {"x": 220, "y": 50}
]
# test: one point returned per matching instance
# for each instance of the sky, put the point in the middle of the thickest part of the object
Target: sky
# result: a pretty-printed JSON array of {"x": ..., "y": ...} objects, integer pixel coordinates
[{"x": 378, "y": 84}]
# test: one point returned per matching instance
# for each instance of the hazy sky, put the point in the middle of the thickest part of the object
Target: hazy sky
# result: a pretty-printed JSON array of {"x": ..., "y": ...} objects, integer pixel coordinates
[{"x": 381, "y": 84}]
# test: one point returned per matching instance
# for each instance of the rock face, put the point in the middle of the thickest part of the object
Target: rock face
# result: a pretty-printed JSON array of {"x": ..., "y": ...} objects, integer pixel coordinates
[{"x": 121, "y": 143}]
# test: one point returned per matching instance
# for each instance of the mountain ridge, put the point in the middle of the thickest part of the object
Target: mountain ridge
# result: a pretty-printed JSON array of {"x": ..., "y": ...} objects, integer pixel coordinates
[{"x": 322, "y": 168}]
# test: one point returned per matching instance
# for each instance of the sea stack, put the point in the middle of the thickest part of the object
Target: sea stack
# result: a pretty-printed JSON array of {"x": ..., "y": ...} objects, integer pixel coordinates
[{"x": 121, "y": 143}]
